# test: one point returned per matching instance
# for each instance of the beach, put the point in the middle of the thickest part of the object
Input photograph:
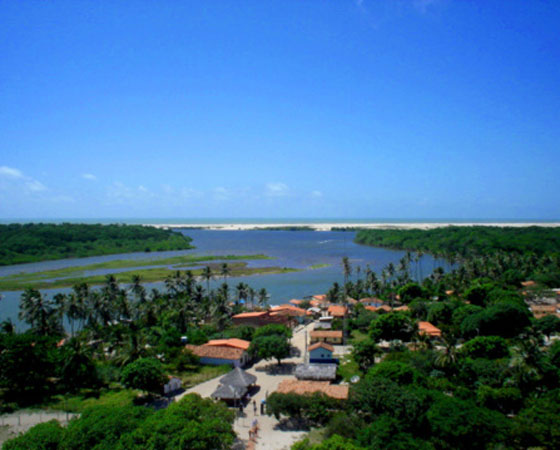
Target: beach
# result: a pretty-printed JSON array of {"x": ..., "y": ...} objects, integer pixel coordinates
[{"x": 341, "y": 225}]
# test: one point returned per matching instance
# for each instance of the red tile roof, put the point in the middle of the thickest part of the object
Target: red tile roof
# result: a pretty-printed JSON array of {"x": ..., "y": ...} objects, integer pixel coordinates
[
  {"x": 337, "y": 310},
  {"x": 234, "y": 343},
  {"x": 321, "y": 344},
  {"x": 250, "y": 314},
  {"x": 326, "y": 334},
  {"x": 428, "y": 328},
  {"x": 309, "y": 387},
  {"x": 210, "y": 351},
  {"x": 296, "y": 302}
]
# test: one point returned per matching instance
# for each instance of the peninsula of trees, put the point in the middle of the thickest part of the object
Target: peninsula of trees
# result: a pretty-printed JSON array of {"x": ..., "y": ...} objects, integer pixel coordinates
[
  {"x": 475, "y": 240},
  {"x": 32, "y": 242}
]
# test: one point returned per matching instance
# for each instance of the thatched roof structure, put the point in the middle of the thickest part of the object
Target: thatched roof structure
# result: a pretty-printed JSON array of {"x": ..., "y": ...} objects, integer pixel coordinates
[
  {"x": 228, "y": 392},
  {"x": 238, "y": 378},
  {"x": 317, "y": 372}
]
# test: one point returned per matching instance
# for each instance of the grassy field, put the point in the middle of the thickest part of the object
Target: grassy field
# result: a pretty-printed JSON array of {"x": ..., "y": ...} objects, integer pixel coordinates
[
  {"x": 79, "y": 402},
  {"x": 205, "y": 373},
  {"x": 146, "y": 275}
]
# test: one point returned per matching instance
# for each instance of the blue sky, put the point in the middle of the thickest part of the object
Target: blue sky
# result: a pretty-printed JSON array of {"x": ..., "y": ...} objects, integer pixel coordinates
[{"x": 343, "y": 109}]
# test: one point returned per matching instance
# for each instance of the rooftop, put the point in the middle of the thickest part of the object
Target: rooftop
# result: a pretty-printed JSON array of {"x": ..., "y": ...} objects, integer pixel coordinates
[
  {"x": 338, "y": 310},
  {"x": 233, "y": 342},
  {"x": 301, "y": 387},
  {"x": 250, "y": 314},
  {"x": 326, "y": 334},
  {"x": 321, "y": 344},
  {"x": 238, "y": 378},
  {"x": 428, "y": 328},
  {"x": 317, "y": 372},
  {"x": 210, "y": 351}
]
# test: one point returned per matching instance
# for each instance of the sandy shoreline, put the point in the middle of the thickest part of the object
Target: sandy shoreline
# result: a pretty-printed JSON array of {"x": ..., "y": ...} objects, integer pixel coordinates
[{"x": 329, "y": 226}]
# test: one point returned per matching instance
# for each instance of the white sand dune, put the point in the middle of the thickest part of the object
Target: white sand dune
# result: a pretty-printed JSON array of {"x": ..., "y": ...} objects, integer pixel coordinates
[{"x": 330, "y": 226}]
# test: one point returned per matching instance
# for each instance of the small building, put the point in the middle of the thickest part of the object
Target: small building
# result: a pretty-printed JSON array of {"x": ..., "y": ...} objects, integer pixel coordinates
[
  {"x": 328, "y": 336},
  {"x": 217, "y": 355},
  {"x": 427, "y": 329},
  {"x": 260, "y": 318},
  {"x": 381, "y": 308},
  {"x": 402, "y": 308},
  {"x": 306, "y": 387},
  {"x": 173, "y": 384},
  {"x": 315, "y": 312},
  {"x": 545, "y": 310},
  {"x": 371, "y": 301},
  {"x": 233, "y": 343},
  {"x": 338, "y": 311},
  {"x": 234, "y": 386},
  {"x": 295, "y": 302},
  {"x": 298, "y": 314},
  {"x": 321, "y": 353},
  {"x": 316, "y": 372}
]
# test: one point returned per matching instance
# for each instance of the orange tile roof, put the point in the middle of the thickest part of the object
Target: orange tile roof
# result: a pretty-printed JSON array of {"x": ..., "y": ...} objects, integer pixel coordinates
[
  {"x": 233, "y": 342},
  {"x": 428, "y": 328},
  {"x": 449, "y": 292},
  {"x": 326, "y": 334},
  {"x": 378, "y": 308},
  {"x": 321, "y": 344},
  {"x": 296, "y": 302},
  {"x": 309, "y": 387},
  {"x": 321, "y": 298},
  {"x": 337, "y": 310},
  {"x": 290, "y": 310},
  {"x": 402, "y": 308},
  {"x": 371, "y": 300},
  {"x": 528, "y": 283},
  {"x": 250, "y": 314},
  {"x": 210, "y": 351}
]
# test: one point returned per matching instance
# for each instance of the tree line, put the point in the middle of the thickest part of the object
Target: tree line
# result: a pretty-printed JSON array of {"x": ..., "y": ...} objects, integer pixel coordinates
[{"x": 22, "y": 243}]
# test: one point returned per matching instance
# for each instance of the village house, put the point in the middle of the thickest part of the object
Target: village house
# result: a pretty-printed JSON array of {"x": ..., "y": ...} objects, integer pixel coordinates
[
  {"x": 328, "y": 336},
  {"x": 260, "y": 318},
  {"x": 371, "y": 301},
  {"x": 321, "y": 353},
  {"x": 427, "y": 329},
  {"x": 545, "y": 310},
  {"x": 219, "y": 355},
  {"x": 316, "y": 372},
  {"x": 337, "y": 311},
  {"x": 173, "y": 384},
  {"x": 302, "y": 387}
]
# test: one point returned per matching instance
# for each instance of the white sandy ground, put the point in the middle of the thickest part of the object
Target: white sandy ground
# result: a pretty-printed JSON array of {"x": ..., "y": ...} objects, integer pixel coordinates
[
  {"x": 13, "y": 424},
  {"x": 329, "y": 226},
  {"x": 270, "y": 438}
]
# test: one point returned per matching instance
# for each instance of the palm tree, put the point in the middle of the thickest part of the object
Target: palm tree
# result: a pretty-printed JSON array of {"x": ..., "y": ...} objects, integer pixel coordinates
[
  {"x": 346, "y": 269},
  {"x": 207, "y": 274},
  {"x": 38, "y": 313},
  {"x": 263, "y": 297},
  {"x": 242, "y": 292},
  {"x": 225, "y": 271}
]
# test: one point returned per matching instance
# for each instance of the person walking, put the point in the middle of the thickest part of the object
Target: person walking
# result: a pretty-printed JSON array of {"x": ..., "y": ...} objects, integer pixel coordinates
[{"x": 254, "y": 407}]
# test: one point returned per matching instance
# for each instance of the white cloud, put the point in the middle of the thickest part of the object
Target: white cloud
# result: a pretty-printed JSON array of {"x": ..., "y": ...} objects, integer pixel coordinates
[
  {"x": 34, "y": 185},
  {"x": 89, "y": 176},
  {"x": 16, "y": 178},
  {"x": 276, "y": 190},
  {"x": 10, "y": 172},
  {"x": 221, "y": 193},
  {"x": 316, "y": 194}
]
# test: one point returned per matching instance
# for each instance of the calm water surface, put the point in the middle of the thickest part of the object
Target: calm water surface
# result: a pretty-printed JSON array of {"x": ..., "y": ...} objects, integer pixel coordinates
[{"x": 297, "y": 249}]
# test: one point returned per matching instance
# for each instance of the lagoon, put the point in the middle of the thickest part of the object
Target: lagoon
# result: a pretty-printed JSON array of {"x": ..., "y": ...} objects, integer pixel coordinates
[{"x": 293, "y": 249}]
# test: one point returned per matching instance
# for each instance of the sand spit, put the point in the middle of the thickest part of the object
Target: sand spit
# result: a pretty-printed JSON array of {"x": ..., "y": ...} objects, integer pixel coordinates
[{"x": 330, "y": 226}]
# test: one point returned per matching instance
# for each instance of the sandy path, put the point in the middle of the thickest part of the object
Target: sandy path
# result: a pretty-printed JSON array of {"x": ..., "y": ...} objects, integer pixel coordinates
[
  {"x": 19, "y": 422},
  {"x": 269, "y": 438}
]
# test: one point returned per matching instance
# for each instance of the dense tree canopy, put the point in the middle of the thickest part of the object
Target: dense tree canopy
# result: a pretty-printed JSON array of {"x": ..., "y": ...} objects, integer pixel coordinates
[{"x": 20, "y": 243}]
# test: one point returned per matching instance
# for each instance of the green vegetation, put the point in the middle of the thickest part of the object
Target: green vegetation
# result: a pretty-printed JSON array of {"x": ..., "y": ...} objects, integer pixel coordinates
[
  {"x": 22, "y": 243},
  {"x": 271, "y": 341},
  {"x": 71, "y": 276},
  {"x": 319, "y": 266},
  {"x": 192, "y": 422},
  {"x": 478, "y": 240}
]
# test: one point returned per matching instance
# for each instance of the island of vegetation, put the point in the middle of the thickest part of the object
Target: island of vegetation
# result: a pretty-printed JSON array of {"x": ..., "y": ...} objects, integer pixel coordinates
[{"x": 24, "y": 243}]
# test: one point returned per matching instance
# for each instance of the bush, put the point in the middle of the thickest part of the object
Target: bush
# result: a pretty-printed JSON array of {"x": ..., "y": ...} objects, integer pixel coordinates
[
  {"x": 491, "y": 347},
  {"x": 145, "y": 374},
  {"x": 44, "y": 436}
]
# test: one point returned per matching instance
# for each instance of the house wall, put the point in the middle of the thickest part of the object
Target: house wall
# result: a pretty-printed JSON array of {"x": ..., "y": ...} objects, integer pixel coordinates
[
  {"x": 320, "y": 353},
  {"x": 220, "y": 362}
]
